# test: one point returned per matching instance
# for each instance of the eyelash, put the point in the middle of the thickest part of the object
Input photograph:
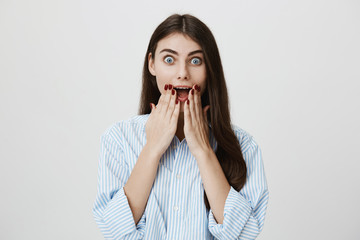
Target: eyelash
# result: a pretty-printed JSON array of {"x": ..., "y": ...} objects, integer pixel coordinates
[{"x": 200, "y": 60}]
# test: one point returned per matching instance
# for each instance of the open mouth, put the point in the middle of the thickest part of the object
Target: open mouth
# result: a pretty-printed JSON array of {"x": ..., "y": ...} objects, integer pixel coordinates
[{"x": 182, "y": 93}]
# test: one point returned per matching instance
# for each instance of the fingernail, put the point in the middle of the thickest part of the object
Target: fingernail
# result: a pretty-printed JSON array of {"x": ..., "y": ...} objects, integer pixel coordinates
[
  {"x": 173, "y": 92},
  {"x": 199, "y": 88},
  {"x": 150, "y": 105},
  {"x": 166, "y": 87},
  {"x": 192, "y": 91},
  {"x": 188, "y": 102},
  {"x": 170, "y": 86},
  {"x": 176, "y": 102}
]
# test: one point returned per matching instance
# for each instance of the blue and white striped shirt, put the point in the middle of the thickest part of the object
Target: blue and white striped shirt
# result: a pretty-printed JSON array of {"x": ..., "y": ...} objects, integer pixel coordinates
[{"x": 175, "y": 207}]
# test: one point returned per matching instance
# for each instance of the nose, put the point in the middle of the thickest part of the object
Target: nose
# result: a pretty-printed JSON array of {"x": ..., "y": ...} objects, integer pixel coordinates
[{"x": 183, "y": 72}]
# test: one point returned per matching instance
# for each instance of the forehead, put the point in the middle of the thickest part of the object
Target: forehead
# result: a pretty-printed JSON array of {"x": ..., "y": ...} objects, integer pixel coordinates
[{"x": 178, "y": 42}]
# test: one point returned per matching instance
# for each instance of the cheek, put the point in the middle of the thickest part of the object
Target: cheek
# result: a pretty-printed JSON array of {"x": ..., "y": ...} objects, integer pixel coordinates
[
  {"x": 199, "y": 75},
  {"x": 160, "y": 86},
  {"x": 163, "y": 76},
  {"x": 203, "y": 82},
  {"x": 161, "y": 82}
]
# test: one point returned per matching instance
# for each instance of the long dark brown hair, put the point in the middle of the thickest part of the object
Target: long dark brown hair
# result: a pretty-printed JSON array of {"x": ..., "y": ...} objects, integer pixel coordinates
[{"x": 228, "y": 149}]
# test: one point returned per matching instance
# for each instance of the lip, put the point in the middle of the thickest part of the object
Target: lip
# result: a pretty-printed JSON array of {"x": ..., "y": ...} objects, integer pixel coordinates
[{"x": 184, "y": 86}]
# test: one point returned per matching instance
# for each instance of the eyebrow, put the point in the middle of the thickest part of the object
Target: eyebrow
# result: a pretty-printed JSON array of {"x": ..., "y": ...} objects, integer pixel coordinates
[{"x": 174, "y": 52}]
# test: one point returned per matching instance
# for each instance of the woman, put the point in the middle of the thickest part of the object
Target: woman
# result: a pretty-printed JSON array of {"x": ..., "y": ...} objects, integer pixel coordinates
[{"x": 180, "y": 169}]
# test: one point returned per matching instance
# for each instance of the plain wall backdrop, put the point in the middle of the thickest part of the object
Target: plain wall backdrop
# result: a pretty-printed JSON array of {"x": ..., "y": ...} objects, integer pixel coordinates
[{"x": 70, "y": 69}]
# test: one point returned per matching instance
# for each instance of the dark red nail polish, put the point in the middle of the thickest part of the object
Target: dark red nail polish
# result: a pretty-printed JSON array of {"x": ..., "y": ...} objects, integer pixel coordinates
[
  {"x": 176, "y": 102},
  {"x": 199, "y": 88},
  {"x": 166, "y": 87},
  {"x": 150, "y": 106},
  {"x": 188, "y": 102},
  {"x": 170, "y": 86},
  {"x": 173, "y": 92},
  {"x": 192, "y": 91}
]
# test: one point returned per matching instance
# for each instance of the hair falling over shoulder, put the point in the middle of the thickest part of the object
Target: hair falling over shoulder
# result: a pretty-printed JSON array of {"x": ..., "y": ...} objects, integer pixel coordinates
[{"x": 228, "y": 148}]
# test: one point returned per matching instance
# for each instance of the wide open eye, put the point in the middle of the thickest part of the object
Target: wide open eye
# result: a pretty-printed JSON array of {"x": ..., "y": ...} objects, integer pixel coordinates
[
  {"x": 168, "y": 60},
  {"x": 195, "y": 61}
]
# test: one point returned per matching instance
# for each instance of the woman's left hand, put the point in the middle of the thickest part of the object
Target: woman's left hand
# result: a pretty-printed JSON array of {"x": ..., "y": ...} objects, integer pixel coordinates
[{"x": 196, "y": 128}]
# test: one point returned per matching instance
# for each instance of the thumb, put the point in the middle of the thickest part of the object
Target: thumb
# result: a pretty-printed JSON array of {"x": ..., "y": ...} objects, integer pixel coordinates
[{"x": 152, "y": 106}]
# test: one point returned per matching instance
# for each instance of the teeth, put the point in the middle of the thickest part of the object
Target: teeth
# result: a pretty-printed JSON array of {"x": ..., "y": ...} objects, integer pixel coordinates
[{"x": 182, "y": 88}]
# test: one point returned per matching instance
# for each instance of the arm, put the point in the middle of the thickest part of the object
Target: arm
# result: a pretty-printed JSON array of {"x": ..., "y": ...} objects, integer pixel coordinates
[
  {"x": 160, "y": 129},
  {"x": 138, "y": 186},
  {"x": 196, "y": 131},
  {"x": 244, "y": 211},
  {"x": 121, "y": 199},
  {"x": 215, "y": 183},
  {"x": 238, "y": 214},
  {"x": 242, "y": 219},
  {"x": 111, "y": 209}
]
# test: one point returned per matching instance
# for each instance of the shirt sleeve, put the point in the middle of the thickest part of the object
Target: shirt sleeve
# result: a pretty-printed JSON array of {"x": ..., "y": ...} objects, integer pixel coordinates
[
  {"x": 111, "y": 209},
  {"x": 244, "y": 211}
]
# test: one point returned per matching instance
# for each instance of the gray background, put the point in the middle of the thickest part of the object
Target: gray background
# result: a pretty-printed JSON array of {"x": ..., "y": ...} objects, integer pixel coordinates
[{"x": 69, "y": 69}]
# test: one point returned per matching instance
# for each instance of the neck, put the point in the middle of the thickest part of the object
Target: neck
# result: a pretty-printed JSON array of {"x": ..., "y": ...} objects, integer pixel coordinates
[{"x": 180, "y": 127}]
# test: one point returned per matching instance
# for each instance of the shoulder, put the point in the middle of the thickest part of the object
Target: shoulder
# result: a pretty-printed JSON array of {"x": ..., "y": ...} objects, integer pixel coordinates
[
  {"x": 129, "y": 126},
  {"x": 246, "y": 140}
]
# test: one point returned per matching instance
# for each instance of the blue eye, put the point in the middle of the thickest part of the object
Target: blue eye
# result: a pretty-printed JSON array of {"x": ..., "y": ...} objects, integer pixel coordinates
[
  {"x": 196, "y": 61},
  {"x": 169, "y": 60}
]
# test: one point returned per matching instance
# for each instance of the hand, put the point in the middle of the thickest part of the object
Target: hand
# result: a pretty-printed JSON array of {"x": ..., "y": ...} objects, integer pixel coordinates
[
  {"x": 162, "y": 123},
  {"x": 196, "y": 128}
]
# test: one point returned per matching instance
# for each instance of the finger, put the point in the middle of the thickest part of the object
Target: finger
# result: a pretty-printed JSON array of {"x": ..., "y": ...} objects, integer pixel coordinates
[
  {"x": 162, "y": 96},
  {"x": 187, "y": 115},
  {"x": 164, "y": 100},
  {"x": 175, "y": 113},
  {"x": 152, "y": 107},
  {"x": 171, "y": 106},
  {"x": 197, "y": 102},
  {"x": 192, "y": 105}
]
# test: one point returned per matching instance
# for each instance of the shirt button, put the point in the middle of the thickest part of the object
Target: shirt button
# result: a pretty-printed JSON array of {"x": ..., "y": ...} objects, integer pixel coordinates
[
  {"x": 176, "y": 208},
  {"x": 178, "y": 176}
]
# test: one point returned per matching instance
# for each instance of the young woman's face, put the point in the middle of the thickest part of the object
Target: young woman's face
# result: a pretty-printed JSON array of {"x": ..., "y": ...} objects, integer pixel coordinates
[{"x": 178, "y": 61}]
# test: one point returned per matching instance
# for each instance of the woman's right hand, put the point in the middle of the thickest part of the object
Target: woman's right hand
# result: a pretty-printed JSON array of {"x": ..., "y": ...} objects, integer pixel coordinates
[{"x": 162, "y": 123}]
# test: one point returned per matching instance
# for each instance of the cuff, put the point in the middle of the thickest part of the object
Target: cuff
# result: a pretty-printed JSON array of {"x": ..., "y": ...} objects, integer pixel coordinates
[
  {"x": 118, "y": 217},
  {"x": 237, "y": 211}
]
